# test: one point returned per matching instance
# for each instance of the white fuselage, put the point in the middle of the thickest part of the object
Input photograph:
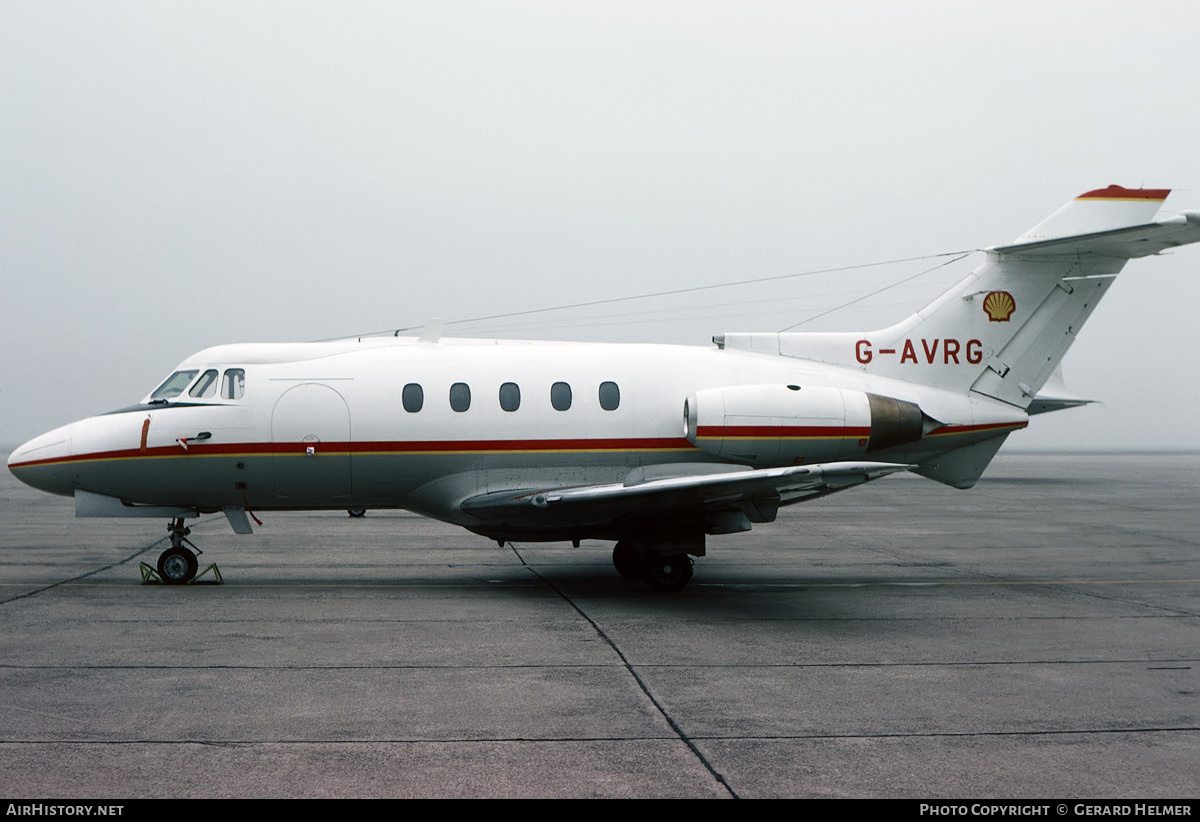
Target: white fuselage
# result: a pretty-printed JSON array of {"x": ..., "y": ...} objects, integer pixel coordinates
[{"x": 325, "y": 425}]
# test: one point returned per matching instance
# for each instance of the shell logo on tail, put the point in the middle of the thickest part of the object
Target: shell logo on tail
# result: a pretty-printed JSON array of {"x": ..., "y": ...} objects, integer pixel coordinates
[{"x": 999, "y": 306}]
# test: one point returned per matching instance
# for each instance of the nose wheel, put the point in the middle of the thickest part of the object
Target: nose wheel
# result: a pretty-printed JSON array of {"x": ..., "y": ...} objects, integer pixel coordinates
[{"x": 177, "y": 565}]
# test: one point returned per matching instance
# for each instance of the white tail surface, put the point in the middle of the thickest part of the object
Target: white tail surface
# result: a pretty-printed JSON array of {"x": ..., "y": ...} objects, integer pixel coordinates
[{"x": 1003, "y": 330}]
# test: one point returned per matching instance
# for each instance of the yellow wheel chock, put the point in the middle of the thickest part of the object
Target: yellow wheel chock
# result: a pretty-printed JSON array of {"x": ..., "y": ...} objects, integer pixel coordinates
[{"x": 150, "y": 575}]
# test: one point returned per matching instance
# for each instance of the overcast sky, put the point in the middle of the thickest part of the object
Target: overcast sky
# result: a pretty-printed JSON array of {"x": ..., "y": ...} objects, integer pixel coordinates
[{"x": 180, "y": 175}]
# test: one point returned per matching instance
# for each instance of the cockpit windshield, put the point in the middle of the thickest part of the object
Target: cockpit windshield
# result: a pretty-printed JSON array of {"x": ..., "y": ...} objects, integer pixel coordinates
[
  {"x": 231, "y": 385},
  {"x": 174, "y": 385}
]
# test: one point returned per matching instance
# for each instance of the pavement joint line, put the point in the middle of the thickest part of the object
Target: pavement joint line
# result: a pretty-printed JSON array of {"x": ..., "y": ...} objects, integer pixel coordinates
[
  {"x": 74, "y": 581},
  {"x": 683, "y": 737}
]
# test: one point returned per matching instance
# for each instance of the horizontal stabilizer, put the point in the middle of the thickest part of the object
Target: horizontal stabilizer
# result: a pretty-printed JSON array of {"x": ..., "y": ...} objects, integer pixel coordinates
[
  {"x": 1044, "y": 405},
  {"x": 1125, "y": 243},
  {"x": 1054, "y": 396}
]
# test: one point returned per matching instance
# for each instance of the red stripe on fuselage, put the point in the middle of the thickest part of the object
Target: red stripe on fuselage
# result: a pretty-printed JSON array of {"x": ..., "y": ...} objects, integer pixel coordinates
[
  {"x": 254, "y": 449},
  {"x": 528, "y": 446}
]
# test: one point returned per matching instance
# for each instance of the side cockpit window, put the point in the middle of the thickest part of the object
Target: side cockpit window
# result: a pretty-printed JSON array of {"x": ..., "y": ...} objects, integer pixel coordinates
[
  {"x": 206, "y": 386},
  {"x": 233, "y": 384},
  {"x": 174, "y": 385}
]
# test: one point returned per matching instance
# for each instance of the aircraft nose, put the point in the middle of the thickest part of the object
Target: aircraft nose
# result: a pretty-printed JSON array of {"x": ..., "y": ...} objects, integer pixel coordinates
[{"x": 42, "y": 462}]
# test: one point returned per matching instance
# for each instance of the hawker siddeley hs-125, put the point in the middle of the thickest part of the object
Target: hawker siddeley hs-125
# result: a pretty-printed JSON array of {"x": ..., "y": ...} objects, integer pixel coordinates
[{"x": 650, "y": 446}]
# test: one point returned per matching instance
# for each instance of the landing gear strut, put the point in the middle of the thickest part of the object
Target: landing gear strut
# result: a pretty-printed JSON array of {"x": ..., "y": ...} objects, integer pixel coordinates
[{"x": 177, "y": 565}]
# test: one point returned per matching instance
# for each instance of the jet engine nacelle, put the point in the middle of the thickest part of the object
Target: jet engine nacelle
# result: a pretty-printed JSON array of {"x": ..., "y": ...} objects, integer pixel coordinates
[{"x": 773, "y": 425}]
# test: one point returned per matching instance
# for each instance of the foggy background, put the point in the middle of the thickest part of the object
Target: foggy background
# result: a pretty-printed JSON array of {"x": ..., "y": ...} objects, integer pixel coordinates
[{"x": 180, "y": 175}]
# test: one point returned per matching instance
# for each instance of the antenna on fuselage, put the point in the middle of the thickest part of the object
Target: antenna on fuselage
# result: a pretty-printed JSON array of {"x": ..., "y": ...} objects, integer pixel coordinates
[{"x": 433, "y": 331}]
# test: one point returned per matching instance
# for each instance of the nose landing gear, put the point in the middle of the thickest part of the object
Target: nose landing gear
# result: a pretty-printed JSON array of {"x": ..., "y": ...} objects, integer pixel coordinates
[{"x": 177, "y": 565}]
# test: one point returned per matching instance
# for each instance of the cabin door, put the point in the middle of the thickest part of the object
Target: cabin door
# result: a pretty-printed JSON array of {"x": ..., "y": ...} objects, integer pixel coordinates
[{"x": 310, "y": 428}]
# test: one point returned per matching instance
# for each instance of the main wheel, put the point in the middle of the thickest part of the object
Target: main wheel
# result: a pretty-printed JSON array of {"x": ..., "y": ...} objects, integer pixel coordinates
[
  {"x": 356, "y": 512},
  {"x": 626, "y": 560},
  {"x": 668, "y": 573},
  {"x": 177, "y": 566}
]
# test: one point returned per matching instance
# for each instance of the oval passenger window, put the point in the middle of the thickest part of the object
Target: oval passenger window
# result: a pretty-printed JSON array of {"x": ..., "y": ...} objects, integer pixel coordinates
[
  {"x": 560, "y": 396},
  {"x": 413, "y": 398},
  {"x": 510, "y": 396},
  {"x": 610, "y": 396},
  {"x": 460, "y": 396}
]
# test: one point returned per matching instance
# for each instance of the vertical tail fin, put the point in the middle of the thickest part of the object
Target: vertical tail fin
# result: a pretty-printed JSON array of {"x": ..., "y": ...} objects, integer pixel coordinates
[{"x": 1002, "y": 331}]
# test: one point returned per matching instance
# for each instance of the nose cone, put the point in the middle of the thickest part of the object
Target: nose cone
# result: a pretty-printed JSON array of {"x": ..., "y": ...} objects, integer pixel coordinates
[{"x": 43, "y": 462}]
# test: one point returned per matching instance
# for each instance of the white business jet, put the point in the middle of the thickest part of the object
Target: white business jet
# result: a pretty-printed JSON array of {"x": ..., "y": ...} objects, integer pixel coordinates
[{"x": 651, "y": 446}]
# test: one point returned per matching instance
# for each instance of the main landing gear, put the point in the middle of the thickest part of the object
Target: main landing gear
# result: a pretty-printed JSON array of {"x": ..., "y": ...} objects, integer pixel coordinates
[
  {"x": 177, "y": 565},
  {"x": 662, "y": 572}
]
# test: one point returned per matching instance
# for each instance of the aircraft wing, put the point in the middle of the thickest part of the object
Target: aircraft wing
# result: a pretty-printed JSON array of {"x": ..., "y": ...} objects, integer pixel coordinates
[{"x": 755, "y": 493}]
